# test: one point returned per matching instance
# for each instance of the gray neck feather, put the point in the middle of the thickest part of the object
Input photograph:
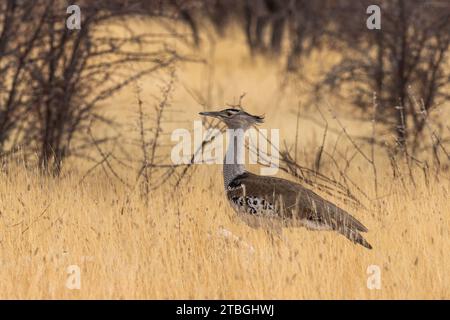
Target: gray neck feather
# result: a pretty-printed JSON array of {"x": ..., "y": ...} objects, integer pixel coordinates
[{"x": 233, "y": 163}]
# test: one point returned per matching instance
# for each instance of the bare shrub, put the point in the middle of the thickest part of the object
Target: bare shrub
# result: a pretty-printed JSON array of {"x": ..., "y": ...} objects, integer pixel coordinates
[
  {"x": 403, "y": 60},
  {"x": 53, "y": 79}
]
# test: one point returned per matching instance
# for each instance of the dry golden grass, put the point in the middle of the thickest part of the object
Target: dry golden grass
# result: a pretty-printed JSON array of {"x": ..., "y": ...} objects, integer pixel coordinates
[{"x": 174, "y": 248}]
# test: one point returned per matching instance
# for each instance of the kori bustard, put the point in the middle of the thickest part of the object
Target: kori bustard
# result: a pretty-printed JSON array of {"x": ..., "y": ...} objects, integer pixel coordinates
[{"x": 265, "y": 198}]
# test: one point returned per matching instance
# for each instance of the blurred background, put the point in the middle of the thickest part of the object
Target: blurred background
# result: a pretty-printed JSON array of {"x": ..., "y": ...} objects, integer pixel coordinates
[
  {"x": 54, "y": 79},
  {"x": 86, "y": 117}
]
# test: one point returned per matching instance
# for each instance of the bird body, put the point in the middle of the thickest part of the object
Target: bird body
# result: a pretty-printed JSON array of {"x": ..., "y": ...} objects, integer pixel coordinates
[
  {"x": 262, "y": 200},
  {"x": 293, "y": 204}
]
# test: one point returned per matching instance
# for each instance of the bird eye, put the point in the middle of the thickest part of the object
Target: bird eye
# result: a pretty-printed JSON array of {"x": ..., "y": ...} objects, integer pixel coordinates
[{"x": 231, "y": 112}]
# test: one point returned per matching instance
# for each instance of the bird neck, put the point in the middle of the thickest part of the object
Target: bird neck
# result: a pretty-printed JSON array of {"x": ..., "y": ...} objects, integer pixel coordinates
[{"x": 233, "y": 163}]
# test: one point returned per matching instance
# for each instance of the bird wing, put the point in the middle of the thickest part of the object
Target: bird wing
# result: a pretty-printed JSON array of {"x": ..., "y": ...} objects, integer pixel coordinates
[{"x": 293, "y": 201}]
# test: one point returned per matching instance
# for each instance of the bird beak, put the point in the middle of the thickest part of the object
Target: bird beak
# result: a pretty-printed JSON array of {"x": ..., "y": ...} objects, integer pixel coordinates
[{"x": 213, "y": 114}]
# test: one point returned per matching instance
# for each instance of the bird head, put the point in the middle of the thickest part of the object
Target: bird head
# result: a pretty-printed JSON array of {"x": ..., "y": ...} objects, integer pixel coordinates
[{"x": 234, "y": 118}]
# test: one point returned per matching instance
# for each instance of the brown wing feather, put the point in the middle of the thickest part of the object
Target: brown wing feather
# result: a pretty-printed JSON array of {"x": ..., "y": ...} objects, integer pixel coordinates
[{"x": 295, "y": 201}]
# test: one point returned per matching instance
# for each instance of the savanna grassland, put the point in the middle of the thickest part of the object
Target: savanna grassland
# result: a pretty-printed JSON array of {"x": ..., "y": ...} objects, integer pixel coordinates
[{"x": 179, "y": 245}]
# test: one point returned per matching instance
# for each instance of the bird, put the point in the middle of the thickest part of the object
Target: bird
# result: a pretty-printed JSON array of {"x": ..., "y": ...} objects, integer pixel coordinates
[{"x": 272, "y": 201}]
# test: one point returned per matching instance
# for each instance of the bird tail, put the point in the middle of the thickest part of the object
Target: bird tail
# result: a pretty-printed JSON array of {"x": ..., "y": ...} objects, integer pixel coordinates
[{"x": 354, "y": 236}]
